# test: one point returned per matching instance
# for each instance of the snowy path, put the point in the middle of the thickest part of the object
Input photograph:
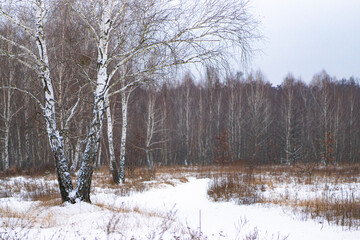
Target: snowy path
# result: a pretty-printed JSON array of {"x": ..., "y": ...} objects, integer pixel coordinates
[{"x": 221, "y": 220}]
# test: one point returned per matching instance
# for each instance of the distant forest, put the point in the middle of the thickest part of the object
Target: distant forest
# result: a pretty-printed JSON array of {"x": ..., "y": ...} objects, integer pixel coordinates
[{"x": 193, "y": 121}]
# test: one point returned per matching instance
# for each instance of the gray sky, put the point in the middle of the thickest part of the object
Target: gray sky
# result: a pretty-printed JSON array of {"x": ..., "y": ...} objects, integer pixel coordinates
[{"x": 303, "y": 37}]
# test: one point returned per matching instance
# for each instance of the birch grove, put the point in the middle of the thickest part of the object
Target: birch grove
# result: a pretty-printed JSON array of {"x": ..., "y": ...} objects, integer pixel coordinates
[{"x": 158, "y": 34}]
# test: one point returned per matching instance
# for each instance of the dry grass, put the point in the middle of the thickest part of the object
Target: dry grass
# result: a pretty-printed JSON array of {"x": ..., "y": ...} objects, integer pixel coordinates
[
  {"x": 36, "y": 189},
  {"x": 28, "y": 172},
  {"x": 335, "y": 205},
  {"x": 344, "y": 212},
  {"x": 238, "y": 187},
  {"x": 117, "y": 223},
  {"x": 141, "y": 180},
  {"x": 15, "y": 224}
]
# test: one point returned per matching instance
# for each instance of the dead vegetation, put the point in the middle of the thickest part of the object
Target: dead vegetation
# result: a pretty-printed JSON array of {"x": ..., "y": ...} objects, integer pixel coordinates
[
  {"x": 232, "y": 186},
  {"x": 141, "y": 179},
  {"x": 317, "y": 192},
  {"x": 36, "y": 189},
  {"x": 344, "y": 211}
]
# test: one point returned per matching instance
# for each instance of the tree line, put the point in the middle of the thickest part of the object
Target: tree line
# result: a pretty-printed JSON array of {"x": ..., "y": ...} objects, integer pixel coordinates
[
  {"x": 223, "y": 120},
  {"x": 213, "y": 120}
]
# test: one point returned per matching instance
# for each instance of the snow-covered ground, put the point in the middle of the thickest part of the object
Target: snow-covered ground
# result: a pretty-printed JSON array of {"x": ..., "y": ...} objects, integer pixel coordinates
[{"x": 170, "y": 211}]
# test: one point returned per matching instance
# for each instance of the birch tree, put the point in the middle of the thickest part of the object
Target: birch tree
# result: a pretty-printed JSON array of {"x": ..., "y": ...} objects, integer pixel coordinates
[
  {"x": 39, "y": 62},
  {"x": 166, "y": 105},
  {"x": 259, "y": 114},
  {"x": 125, "y": 96},
  {"x": 290, "y": 119},
  {"x": 118, "y": 173},
  {"x": 113, "y": 164},
  {"x": 188, "y": 82},
  {"x": 351, "y": 121},
  {"x": 324, "y": 99},
  {"x": 153, "y": 126}
]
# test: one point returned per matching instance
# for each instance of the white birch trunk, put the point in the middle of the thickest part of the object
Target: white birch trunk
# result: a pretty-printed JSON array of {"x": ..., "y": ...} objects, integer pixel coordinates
[
  {"x": 113, "y": 165},
  {"x": 20, "y": 155},
  {"x": 98, "y": 163},
  {"x": 201, "y": 130},
  {"x": 289, "y": 99},
  {"x": 7, "y": 116},
  {"x": 102, "y": 86},
  {"x": 27, "y": 159},
  {"x": 165, "y": 145},
  {"x": 55, "y": 139},
  {"x": 6, "y": 161},
  {"x": 124, "y": 105},
  {"x": 218, "y": 111},
  {"x": 148, "y": 158},
  {"x": 90, "y": 153},
  {"x": 150, "y": 130},
  {"x": 231, "y": 137},
  {"x": 7, "y": 119},
  {"x": 187, "y": 124},
  {"x": 78, "y": 146}
]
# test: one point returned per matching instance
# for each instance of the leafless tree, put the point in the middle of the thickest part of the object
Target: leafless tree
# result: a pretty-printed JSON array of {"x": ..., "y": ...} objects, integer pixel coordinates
[
  {"x": 290, "y": 114},
  {"x": 324, "y": 99},
  {"x": 258, "y": 114}
]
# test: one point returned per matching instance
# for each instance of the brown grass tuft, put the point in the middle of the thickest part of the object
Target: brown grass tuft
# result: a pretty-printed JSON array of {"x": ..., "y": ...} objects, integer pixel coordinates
[{"x": 234, "y": 186}]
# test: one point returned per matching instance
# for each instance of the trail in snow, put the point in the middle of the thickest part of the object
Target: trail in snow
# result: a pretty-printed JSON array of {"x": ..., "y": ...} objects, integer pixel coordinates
[{"x": 226, "y": 220}]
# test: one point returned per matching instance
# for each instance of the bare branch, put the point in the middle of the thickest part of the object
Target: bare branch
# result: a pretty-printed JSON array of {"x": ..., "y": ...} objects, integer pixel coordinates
[
  {"x": 87, "y": 23},
  {"x": 73, "y": 109},
  {"x": 13, "y": 114},
  {"x": 22, "y": 47},
  {"x": 28, "y": 30},
  {"x": 130, "y": 86},
  {"x": 26, "y": 92},
  {"x": 17, "y": 58},
  {"x": 72, "y": 113}
]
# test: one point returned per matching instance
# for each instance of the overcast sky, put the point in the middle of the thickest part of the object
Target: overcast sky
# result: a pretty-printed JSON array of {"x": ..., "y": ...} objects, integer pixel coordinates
[{"x": 303, "y": 37}]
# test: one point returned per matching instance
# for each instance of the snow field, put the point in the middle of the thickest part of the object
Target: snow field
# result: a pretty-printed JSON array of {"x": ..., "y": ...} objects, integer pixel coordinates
[{"x": 172, "y": 209}]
